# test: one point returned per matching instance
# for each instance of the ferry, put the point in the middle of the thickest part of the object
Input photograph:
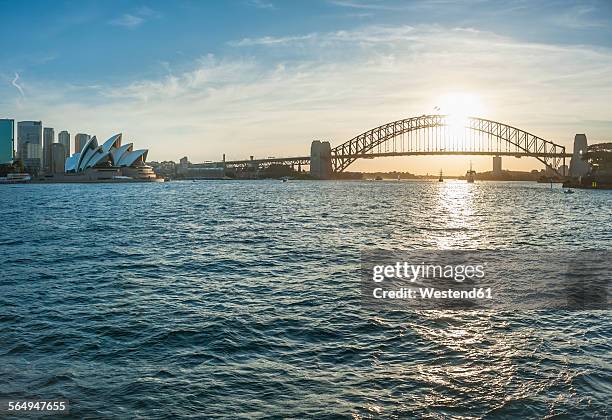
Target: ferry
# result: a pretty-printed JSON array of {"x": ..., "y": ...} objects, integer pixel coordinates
[
  {"x": 470, "y": 175},
  {"x": 16, "y": 178}
]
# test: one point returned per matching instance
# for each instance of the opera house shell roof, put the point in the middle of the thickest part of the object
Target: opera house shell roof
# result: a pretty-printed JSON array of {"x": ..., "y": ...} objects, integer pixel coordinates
[{"x": 111, "y": 153}]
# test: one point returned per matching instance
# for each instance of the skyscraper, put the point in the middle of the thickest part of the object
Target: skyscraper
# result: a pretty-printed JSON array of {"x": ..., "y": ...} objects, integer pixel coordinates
[
  {"x": 64, "y": 138},
  {"x": 48, "y": 140},
  {"x": 79, "y": 141},
  {"x": 29, "y": 145},
  {"x": 58, "y": 158},
  {"x": 7, "y": 140}
]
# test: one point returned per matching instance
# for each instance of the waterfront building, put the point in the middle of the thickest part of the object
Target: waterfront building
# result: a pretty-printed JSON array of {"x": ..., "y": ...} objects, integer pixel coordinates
[
  {"x": 110, "y": 160},
  {"x": 58, "y": 157},
  {"x": 29, "y": 145},
  {"x": 79, "y": 141},
  {"x": 165, "y": 169},
  {"x": 48, "y": 140},
  {"x": 7, "y": 141},
  {"x": 64, "y": 138}
]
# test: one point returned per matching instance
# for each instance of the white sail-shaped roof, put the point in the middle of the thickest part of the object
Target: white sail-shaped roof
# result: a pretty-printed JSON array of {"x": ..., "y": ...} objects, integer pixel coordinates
[
  {"x": 120, "y": 152},
  {"x": 71, "y": 162},
  {"x": 130, "y": 158},
  {"x": 99, "y": 157},
  {"x": 87, "y": 152},
  {"x": 113, "y": 143}
]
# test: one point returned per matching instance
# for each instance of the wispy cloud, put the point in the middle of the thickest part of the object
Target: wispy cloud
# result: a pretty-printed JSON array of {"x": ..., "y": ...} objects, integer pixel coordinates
[
  {"x": 135, "y": 19},
  {"x": 261, "y": 4},
  {"x": 127, "y": 20},
  {"x": 373, "y": 34},
  {"x": 400, "y": 5},
  {"x": 579, "y": 17},
  {"x": 270, "y": 40},
  {"x": 17, "y": 85},
  {"x": 367, "y": 5}
]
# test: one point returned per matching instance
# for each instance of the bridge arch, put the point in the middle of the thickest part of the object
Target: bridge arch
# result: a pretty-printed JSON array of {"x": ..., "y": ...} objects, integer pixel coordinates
[{"x": 433, "y": 135}]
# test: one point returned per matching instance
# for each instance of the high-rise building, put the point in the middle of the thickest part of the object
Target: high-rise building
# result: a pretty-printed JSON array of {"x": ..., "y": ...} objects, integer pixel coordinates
[
  {"x": 64, "y": 138},
  {"x": 48, "y": 140},
  {"x": 58, "y": 158},
  {"x": 29, "y": 145},
  {"x": 7, "y": 140},
  {"x": 79, "y": 141}
]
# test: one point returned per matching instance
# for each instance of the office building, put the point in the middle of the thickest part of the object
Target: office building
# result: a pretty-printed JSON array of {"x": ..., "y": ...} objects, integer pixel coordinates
[
  {"x": 29, "y": 145},
  {"x": 58, "y": 158},
  {"x": 7, "y": 140},
  {"x": 64, "y": 138},
  {"x": 48, "y": 140},
  {"x": 79, "y": 141}
]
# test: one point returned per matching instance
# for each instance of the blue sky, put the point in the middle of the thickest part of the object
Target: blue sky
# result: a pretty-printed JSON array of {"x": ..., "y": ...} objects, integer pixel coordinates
[{"x": 265, "y": 77}]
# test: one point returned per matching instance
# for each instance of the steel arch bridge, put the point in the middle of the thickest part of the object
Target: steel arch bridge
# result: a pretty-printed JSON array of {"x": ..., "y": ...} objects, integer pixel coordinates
[
  {"x": 428, "y": 135},
  {"x": 443, "y": 135}
]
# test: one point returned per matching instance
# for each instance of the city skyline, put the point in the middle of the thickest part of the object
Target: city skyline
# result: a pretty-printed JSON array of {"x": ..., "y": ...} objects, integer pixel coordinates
[{"x": 292, "y": 73}]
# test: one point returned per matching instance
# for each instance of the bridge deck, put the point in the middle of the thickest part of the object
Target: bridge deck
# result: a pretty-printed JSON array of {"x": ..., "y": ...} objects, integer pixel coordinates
[
  {"x": 304, "y": 160},
  {"x": 300, "y": 159}
]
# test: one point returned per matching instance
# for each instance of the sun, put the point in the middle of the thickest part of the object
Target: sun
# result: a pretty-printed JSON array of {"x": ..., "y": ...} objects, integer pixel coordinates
[
  {"x": 460, "y": 104},
  {"x": 458, "y": 107}
]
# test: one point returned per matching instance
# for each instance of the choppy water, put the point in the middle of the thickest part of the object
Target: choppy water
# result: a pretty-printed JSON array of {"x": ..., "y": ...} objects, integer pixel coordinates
[{"x": 238, "y": 299}]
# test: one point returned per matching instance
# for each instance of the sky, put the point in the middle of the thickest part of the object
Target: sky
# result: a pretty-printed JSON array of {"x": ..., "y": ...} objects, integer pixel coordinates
[{"x": 266, "y": 77}]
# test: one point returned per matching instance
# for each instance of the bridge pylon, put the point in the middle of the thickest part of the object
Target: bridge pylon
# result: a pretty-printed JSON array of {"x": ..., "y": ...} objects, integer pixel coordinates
[
  {"x": 320, "y": 160},
  {"x": 579, "y": 167}
]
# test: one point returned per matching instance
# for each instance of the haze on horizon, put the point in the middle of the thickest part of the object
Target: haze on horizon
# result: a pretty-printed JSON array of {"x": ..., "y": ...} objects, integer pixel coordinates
[{"x": 266, "y": 77}]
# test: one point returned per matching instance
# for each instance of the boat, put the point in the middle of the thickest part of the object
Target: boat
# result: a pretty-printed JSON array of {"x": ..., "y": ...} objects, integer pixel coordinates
[
  {"x": 378, "y": 178},
  {"x": 470, "y": 175},
  {"x": 440, "y": 179},
  {"x": 16, "y": 178},
  {"x": 568, "y": 191}
]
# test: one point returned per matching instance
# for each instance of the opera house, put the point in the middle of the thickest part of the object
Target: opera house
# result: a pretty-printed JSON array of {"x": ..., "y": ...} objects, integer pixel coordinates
[{"x": 110, "y": 161}]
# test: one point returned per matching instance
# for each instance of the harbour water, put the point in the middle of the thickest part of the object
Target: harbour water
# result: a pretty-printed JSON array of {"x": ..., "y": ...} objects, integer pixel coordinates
[{"x": 229, "y": 299}]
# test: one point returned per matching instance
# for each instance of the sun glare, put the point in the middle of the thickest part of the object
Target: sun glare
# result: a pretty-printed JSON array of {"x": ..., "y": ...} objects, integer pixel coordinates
[{"x": 458, "y": 106}]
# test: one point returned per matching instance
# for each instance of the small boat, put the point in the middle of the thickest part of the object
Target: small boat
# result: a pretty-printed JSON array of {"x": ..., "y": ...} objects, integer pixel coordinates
[
  {"x": 440, "y": 179},
  {"x": 568, "y": 191},
  {"x": 470, "y": 175},
  {"x": 379, "y": 178}
]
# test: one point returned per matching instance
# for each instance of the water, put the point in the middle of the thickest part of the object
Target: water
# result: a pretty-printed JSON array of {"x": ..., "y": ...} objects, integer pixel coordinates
[{"x": 230, "y": 299}]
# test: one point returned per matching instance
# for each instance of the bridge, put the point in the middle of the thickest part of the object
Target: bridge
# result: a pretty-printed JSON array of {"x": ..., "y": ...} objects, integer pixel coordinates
[{"x": 423, "y": 135}]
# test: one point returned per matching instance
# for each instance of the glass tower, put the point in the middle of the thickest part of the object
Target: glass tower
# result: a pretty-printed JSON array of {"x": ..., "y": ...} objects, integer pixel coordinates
[
  {"x": 29, "y": 145},
  {"x": 7, "y": 140}
]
